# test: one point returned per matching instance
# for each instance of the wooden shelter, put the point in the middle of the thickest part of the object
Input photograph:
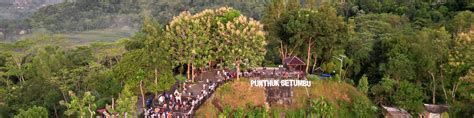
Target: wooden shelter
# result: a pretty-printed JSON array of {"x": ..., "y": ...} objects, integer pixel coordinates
[{"x": 294, "y": 63}]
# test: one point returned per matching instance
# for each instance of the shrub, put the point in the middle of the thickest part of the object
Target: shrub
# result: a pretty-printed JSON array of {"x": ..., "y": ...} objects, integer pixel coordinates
[
  {"x": 321, "y": 108},
  {"x": 312, "y": 77},
  {"x": 363, "y": 85},
  {"x": 33, "y": 112}
]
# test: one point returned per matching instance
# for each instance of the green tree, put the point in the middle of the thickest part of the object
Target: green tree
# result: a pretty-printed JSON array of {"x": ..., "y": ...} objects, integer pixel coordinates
[
  {"x": 382, "y": 90},
  {"x": 272, "y": 20},
  {"x": 244, "y": 42},
  {"x": 320, "y": 28},
  {"x": 211, "y": 35},
  {"x": 462, "y": 22},
  {"x": 465, "y": 96},
  {"x": 457, "y": 87},
  {"x": 363, "y": 85},
  {"x": 188, "y": 38},
  {"x": 157, "y": 46},
  {"x": 409, "y": 96},
  {"x": 33, "y": 92},
  {"x": 126, "y": 103},
  {"x": 367, "y": 45},
  {"x": 431, "y": 51},
  {"x": 81, "y": 106},
  {"x": 33, "y": 112}
]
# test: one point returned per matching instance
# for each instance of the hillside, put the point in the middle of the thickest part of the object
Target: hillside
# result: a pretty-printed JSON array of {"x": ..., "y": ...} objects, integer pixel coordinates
[
  {"x": 85, "y": 15},
  {"x": 19, "y": 9},
  {"x": 238, "y": 96}
]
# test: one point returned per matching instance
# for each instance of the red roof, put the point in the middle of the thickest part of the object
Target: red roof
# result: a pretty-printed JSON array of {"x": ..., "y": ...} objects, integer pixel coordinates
[{"x": 293, "y": 61}]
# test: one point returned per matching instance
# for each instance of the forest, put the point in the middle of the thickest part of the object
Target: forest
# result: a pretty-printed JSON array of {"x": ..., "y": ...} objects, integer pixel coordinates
[{"x": 398, "y": 53}]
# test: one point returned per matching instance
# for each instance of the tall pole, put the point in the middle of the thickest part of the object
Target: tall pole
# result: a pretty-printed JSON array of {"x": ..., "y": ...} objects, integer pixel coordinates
[{"x": 342, "y": 60}]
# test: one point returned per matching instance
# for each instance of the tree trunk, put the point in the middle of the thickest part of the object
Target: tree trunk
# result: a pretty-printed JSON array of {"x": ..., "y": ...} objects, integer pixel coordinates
[
  {"x": 282, "y": 53},
  {"x": 210, "y": 65},
  {"x": 64, "y": 96},
  {"x": 81, "y": 111},
  {"x": 55, "y": 111},
  {"x": 200, "y": 74},
  {"x": 453, "y": 92},
  {"x": 192, "y": 72},
  {"x": 18, "y": 65},
  {"x": 141, "y": 92},
  {"x": 237, "y": 64},
  {"x": 315, "y": 61},
  {"x": 442, "y": 84},
  {"x": 308, "y": 56},
  {"x": 156, "y": 79},
  {"x": 113, "y": 103},
  {"x": 90, "y": 111},
  {"x": 188, "y": 71},
  {"x": 434, "y": 88}
]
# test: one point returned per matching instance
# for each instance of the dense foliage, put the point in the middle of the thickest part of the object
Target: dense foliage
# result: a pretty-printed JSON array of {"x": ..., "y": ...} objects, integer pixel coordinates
[
  {"x": 400, "y": 53},
  {"x": 33, "y": 112}
]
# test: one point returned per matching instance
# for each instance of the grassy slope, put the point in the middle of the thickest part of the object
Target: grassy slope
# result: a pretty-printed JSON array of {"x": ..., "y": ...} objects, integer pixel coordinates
[
  {"x": 335, "y": 92},
  {"x": 330, "y": 90},
  {"x": 236, "y": 94}
]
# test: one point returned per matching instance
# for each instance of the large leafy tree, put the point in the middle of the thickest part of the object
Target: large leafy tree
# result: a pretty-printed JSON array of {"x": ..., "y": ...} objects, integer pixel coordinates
[
  {"x": 188, "y": 36},
  {"x": 432, "y": 53},
  {"x": 409, "y": 96},
  {"x": 156, "y": 47},
  {"x": 147, "y": 66},
  {"x": 366, "y": 44},
  {"x": 245, "y": 42},
  {"x": 462, "y": 22},
  {"x": 133, "y": 70},
  {"x": 321, "y": 29},
  {"x": 457, "y": 87},
  {"x": 212, "y": 35},
  {"x": 273, "y": 20}
]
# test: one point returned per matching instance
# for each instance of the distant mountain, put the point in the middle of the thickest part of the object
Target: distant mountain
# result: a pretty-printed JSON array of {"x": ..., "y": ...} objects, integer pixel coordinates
[{"x": 20, "y": 9}]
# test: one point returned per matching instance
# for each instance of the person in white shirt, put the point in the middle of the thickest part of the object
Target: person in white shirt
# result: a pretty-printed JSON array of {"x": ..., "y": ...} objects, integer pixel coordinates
[
  {"x": 193, "y": 102},
  {"x": 204, "y": 92},
  {"x": 171, "y": 97},
  {"x": 225, "y": 75},
  {"x": 176, "y": 92},
  {"x": 178, "y": 98},
  {"x": 161, "y": 99}
]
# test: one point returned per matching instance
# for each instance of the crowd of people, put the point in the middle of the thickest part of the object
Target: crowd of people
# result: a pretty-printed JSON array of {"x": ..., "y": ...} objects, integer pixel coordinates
[
  {"x": 182, "y": 103},
  {"x": 273, "y": 73}
]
